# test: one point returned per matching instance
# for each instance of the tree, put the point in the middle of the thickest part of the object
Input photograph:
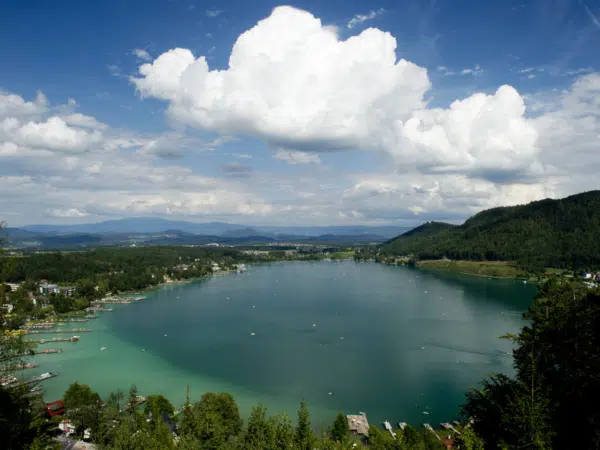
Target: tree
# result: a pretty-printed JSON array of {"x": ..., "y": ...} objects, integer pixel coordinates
[
  {"x": 158, "y": 403},
  {"x": 558, "y": 358},
  {"x": 468, "y": 440},
  {"x": 340, "y": 431},
  {"x": 283, "y": 431},
  {"x": 378, "y": 439},
  {"x": 259, "y": 431},
  {"x": 304, "y": 436},
  {"x": 132, "y": 399},
  {"x": 82, "y": 406},
  {"x": 551, "y": 402},
  {"x": 16, "y": 416},
  {"x": 224, "y": 407}
]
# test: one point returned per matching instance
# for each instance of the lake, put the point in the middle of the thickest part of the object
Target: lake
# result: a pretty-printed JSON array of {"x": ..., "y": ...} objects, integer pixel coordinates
[{"x": 393, "y": 342}]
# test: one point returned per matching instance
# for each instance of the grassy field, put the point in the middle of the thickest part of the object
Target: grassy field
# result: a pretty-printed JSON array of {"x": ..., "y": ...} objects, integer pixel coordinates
[
  {"x": 499, "y": 269},
  {"x": 342, "y": 255}
]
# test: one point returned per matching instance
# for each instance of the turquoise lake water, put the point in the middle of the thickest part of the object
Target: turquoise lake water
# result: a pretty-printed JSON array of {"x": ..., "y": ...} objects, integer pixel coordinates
[{"x": 393, "y": 342}]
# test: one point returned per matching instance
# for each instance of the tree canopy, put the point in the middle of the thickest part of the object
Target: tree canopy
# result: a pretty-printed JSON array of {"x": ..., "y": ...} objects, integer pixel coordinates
[{"x": 548, "y": 233}]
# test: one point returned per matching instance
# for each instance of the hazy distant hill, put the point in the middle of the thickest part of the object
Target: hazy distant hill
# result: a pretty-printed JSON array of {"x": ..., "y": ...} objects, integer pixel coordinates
[
  {"x": 546, "y": 233},
  {"x": 146, "y": 225}
]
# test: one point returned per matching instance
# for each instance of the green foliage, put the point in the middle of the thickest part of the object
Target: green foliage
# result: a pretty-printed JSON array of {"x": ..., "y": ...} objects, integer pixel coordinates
[
  {"x": 551, "y": 403},
  {"x": 304, "y": 436},
  {"x": 82, "y": 406},
  {"x": 158, "y": 404},
  {"x": 340, "y": 431},
  {"x": 16, "y": 416},
  {"x": 283, "y": 431},
  {"x": 549, "y": 233},
  {"x": 259, "y": 431},
  {"x": 468, "y": 440},
  {"x": 225, "y": 409}
]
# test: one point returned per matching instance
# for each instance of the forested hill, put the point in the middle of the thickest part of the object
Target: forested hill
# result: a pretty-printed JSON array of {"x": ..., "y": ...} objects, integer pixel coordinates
[{"x": 561, "y": 233}]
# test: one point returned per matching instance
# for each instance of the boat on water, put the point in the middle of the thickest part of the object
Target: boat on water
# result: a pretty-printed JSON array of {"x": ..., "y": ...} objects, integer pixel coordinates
[{"x": 42, "y": 377}]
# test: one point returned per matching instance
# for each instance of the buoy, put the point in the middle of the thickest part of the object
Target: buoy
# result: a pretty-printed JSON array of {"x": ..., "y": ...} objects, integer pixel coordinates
[{"x": 165, "y": 335}]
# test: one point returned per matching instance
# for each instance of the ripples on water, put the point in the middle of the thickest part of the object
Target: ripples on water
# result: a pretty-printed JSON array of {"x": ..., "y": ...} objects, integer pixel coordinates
[{"x": 384, "y": 339}]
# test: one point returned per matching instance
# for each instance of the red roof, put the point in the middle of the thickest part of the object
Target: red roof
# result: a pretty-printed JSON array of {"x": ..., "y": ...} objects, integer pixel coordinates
[{"x": 55, "y": 408}]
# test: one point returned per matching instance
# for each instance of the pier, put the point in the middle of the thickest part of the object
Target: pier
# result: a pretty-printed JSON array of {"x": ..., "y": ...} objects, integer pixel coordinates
[
  {"x": 49, "y": 351},
  {"x": 388, "y": 426},
  {"x": 430, "y": 428},
  {"x": 59, "y": 331},
  {"x": 19, "y": 367},
  {"x": 449, "y": 426},
  {"x": 56, "y": 339}
]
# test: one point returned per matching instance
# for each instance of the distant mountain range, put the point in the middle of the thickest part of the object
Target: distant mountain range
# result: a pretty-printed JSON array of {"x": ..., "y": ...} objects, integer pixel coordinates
[
  {"x": 561, "y": 233},
  {"x": 145, "y": 225},
  {"x": 144, "y": 231}
]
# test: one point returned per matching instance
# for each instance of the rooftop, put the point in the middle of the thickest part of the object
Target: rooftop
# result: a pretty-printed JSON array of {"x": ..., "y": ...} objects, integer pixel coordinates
[{"x": 358, "y": 424}]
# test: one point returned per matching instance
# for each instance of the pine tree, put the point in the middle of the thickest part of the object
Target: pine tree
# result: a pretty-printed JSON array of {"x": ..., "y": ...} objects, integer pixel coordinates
[{"x": 304, "y": 436}]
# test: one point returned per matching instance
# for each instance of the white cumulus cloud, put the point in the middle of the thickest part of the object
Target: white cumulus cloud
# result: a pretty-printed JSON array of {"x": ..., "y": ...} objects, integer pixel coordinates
[
  {"x": 292, "y": 82},
  {"x": 55, "y": 134}
]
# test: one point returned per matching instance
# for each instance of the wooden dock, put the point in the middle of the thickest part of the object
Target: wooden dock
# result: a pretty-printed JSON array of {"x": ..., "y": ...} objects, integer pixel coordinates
[
  {"x": 59, "y": 331},
  {"x": 388, "y": 426},
  {"x": 449, "y": 426},
  {"x": 430, "y": 428},
  {"x": 56, "y": 339}
]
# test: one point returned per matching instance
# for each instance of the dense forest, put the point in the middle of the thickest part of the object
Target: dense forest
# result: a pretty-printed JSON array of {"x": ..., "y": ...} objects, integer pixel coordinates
[{"x": 561, "y": 233}]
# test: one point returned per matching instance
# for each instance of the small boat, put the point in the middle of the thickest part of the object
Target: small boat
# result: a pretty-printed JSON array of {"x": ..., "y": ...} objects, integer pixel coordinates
[{"x": 102, "y": 348}]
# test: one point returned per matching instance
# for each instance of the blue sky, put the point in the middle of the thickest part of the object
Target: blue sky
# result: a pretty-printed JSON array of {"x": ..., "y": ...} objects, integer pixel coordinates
[{"x": 321, "y": 151}]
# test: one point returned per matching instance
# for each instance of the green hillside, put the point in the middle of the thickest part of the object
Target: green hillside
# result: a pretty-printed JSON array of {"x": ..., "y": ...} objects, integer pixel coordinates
[{"x": 561, "y": 233}]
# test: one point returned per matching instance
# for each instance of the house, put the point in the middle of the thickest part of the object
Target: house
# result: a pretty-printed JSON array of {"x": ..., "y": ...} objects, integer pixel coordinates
[
  {"x": 47, "y": 288},
  {"x": 56, "y": 408},
  {"x": 13, "y": 286},
  {"x": 358, "y": 424},
  {"x": 67, "y": 290},
  {"x": 587, "y": 276}
]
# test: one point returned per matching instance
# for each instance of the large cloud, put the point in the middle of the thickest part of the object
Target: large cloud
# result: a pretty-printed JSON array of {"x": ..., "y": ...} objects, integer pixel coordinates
[{"x": 294, "y": 83}]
